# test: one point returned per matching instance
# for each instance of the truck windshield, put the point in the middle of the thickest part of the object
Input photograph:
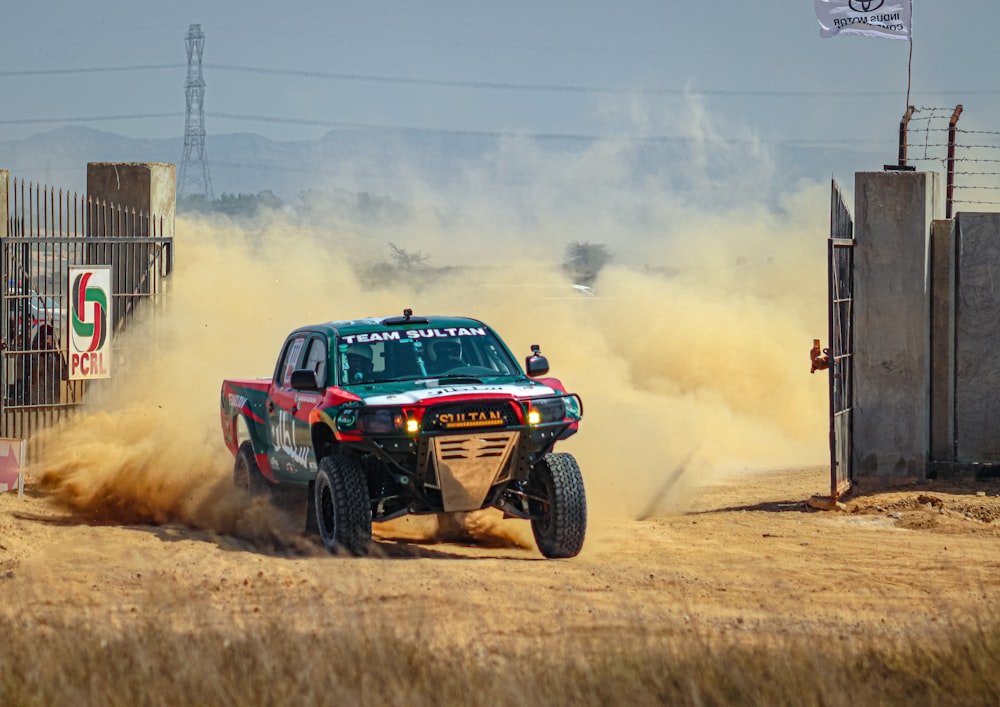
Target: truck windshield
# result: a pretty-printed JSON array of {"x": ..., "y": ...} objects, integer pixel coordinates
[{"x": 461, "y": 352}]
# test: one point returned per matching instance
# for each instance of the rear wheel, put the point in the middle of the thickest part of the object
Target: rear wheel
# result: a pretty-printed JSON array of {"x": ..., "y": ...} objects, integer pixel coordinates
[
  {"x": 558, "y": 505},
  {"x": 343, "y": 508},
  {"x": 246, "y": 473}
]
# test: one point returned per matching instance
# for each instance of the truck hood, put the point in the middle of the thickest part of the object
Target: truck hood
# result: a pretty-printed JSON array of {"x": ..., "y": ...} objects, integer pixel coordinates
[{"x": 406, "y": 394}]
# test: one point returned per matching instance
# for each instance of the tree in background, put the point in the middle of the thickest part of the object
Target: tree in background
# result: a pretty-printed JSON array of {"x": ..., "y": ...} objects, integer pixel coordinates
[
  {"x": 406, "y": 260},
  {"x": 237, "y": 205},
  {"x": 583, "y": 262}
]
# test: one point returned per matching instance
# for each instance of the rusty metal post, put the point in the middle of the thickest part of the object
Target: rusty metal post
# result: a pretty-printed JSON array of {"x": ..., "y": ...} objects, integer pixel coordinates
[
  {"x": 950, "y": 189},
  {"x": 904, "y": 125}
]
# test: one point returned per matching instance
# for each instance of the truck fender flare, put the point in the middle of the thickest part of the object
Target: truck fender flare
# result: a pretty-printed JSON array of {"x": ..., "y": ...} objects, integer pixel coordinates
[
  {"x": 324, "y": 441},
  {"x": 244, "y": 430}
]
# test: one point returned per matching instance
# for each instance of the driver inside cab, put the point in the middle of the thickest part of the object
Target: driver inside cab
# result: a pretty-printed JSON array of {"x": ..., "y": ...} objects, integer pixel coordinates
[
  {"x": 357, "y": 363},
  {"x": 447, "y": 354}
]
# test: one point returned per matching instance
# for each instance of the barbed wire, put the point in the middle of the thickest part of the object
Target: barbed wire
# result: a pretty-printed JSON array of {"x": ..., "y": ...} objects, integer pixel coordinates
[
  {"x": 932, "y": 137},
  {"x": 959, "y": 146},
  {"x": 959, "y": 131}
]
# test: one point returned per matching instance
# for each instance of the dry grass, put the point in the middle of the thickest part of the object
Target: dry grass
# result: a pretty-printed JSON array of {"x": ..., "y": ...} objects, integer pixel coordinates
[{"x": 146, "y": 662}]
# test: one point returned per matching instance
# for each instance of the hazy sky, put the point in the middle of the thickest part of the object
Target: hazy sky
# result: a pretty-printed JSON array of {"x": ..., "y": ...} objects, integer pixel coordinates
[{"x": 607, "y": 68}]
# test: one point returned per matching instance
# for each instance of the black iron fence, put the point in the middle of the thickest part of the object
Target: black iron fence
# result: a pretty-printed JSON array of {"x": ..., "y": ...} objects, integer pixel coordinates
[
  {"x": 841, "y": 352},
  {"x": 51, "y": 232}
]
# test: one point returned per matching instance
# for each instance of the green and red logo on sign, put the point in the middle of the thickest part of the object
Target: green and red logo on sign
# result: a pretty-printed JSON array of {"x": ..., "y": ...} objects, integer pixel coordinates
[{"x": 90, "y": 322}]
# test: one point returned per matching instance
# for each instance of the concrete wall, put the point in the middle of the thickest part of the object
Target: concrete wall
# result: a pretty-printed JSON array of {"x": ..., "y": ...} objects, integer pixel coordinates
[
  {"x": 977, "y": 348},
  {"x": 146, "y": 186},
  {"x": 149, "y": 187},
  {"x": 893, "y": 215}
]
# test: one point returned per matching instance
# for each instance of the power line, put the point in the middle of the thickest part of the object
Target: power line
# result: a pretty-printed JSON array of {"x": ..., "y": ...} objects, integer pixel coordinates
[
  {"x": 549, "y": 88},
  {"x": 88, "y": 119},
  {"x": 490, "y": 85},
  {"x": 829, "y": 142},
  {"x": 509, "y": 133},
  {"x": 494, "y": 85},
  {"x": 91, "y": 70}
]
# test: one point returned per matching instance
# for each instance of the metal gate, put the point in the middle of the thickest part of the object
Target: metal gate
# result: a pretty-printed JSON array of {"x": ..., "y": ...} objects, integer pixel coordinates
[
  {"x": 48, "y": 234},
  {"x": 840, "y": 259}
]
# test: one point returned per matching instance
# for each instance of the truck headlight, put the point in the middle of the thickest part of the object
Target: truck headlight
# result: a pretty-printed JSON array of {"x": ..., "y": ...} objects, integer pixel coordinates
[
  {"x": 543, "y": 410},
  {"x": 381, "y": 421},
  {"x": 378, "y": 421}
]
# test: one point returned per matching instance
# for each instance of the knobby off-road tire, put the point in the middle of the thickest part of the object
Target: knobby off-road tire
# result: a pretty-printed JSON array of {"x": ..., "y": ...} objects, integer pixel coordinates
[
  {"x": 560, "y": 523},
  {"x": 246, "y": 473},
  {"x": 343, "y": 508}
]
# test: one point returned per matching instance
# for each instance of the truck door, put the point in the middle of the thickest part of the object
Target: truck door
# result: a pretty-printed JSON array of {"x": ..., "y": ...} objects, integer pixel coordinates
[
  {"x": 314, "y": 359},
  {"x": 282, "y": 450}
]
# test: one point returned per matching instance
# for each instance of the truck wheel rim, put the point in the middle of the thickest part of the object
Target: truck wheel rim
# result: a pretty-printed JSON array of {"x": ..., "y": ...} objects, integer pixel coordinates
[{"x": 327, "y": 516}]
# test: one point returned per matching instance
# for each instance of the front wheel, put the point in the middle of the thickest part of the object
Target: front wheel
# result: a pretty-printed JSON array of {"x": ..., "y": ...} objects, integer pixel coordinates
[
  {"x": 343, "y": 507},
  {"x": 558, "y": 506}
]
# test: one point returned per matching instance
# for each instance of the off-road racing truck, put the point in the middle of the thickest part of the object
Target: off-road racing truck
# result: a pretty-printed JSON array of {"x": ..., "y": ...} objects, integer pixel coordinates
[{"x": 376, "y": 418}]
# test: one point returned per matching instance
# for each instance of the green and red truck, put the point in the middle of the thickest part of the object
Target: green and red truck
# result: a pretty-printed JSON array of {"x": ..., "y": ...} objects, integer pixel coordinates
[{"x": 376, "y": 418}]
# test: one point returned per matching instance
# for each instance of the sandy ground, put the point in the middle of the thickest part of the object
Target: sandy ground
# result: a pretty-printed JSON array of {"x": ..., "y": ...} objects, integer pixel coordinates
[{"x": 749, "y": 559}]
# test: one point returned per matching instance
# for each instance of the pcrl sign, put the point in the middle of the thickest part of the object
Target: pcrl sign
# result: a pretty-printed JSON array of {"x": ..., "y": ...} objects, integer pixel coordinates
[{"x": 90, "y": 322}]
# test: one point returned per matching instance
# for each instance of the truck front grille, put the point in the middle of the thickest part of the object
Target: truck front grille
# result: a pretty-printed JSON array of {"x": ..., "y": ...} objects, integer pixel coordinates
[{"x": 469, "y": 416}]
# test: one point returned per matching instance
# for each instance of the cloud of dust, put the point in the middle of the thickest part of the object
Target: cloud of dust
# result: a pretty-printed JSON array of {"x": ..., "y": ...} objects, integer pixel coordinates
[{"x": 690, "y": 358}]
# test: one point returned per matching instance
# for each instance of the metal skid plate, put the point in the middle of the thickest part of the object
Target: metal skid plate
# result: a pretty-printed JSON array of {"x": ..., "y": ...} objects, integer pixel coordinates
[{"x": 467, "y": 466}]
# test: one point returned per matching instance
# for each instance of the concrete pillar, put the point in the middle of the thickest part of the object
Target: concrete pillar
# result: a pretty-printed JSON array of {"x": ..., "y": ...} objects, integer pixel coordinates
[
  {"x": 145, "y": 186},
  {"x": 893, "y": 215},
  {"x": 150, "y": 188},
  {"x": 977, "y": 327},
  {"x": 943, "y": 251}
]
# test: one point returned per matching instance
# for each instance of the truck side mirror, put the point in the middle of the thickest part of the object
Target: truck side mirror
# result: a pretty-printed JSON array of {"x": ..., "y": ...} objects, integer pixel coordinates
[
  {"x": 536, "y": 364},
  {"x": 304, "y": 379}
]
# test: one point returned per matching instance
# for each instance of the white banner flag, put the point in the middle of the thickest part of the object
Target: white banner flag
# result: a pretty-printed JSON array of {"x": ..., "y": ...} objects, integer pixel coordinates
[{"x": 890, "y": 19}]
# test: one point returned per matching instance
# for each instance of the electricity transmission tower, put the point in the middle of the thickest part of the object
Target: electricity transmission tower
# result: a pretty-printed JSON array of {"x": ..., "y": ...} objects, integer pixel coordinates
[{"x": 194, "y": 177}]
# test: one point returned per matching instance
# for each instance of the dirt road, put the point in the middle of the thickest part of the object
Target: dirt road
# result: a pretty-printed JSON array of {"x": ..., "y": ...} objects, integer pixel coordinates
[{"x": 748, "y": 559}]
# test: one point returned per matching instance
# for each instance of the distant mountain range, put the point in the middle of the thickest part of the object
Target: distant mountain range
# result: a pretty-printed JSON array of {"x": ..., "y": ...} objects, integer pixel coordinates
[{"x": 379, "y": 161}]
